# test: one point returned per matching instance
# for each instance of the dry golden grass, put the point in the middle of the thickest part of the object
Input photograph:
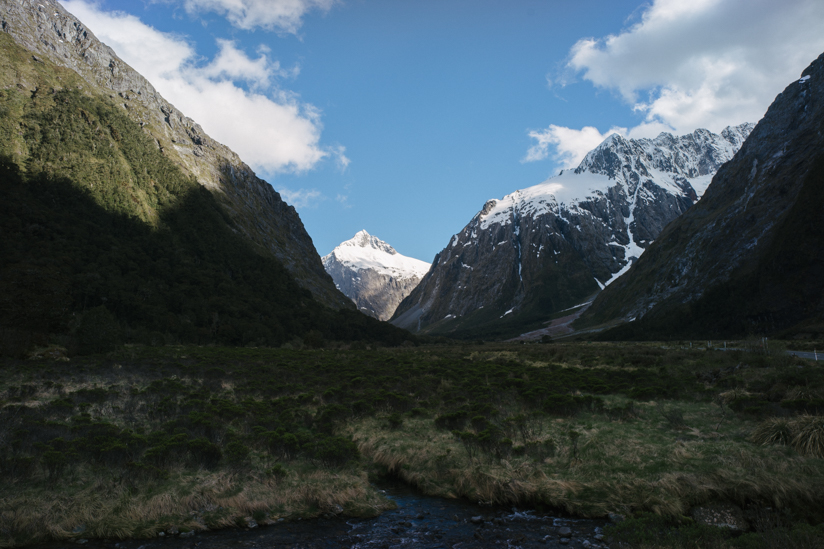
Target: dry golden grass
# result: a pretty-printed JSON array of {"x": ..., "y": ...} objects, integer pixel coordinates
[
  {"x": 775, "y": 430},
  {"x": 111, "y": 509},
  {"x": 804, "y": 433},
  {"x": 621, "y": 467},
  {"x": 809, "y": 435}
]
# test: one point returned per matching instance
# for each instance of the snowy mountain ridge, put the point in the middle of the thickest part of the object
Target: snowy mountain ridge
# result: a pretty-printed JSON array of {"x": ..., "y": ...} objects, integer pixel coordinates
[
  {"x": 746, "y": 259},
  {"x": 679, "y": 165},
  {"x": 558, "y": 242},
  {"x": 373, "y": 274},
  {"x": 364, "y": 251}
]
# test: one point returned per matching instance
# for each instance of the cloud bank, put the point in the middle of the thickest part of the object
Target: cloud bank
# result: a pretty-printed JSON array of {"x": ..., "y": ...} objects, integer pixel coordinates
[
  {"x": 270, "y": 128},
  {"x": 281, "y": 15},
  {"x": 688, "y": 65}
]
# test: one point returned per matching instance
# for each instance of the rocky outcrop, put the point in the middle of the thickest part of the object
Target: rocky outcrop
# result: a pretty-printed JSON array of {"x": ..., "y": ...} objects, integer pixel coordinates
[
  {"x": 747, "y": 258},
  {"x": 46, "y": 29},
  {"x": 549, "y": 247},
  {"x": 372, "y": 274}
]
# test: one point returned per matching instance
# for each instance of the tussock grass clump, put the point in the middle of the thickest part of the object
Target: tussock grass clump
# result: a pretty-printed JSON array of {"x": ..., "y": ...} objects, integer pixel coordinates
[
  {"x": 804, "y": 433},
  {"x": 809, "y": 435},
  {"x": 775, "y": 430}
]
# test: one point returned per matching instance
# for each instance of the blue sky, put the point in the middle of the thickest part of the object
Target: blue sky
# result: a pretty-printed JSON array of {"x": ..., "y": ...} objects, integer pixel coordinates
[{"x": 403, "y": 117}]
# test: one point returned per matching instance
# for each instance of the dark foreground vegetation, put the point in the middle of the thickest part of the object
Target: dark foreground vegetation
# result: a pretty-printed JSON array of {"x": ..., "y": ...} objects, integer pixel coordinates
[{"x": 149, "y": 439}]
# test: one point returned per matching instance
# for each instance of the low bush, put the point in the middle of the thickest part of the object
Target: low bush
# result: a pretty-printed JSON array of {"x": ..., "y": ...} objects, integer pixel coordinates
[
  {"x": 452, "y": 421},
  {"x": 333, "y": 451}
]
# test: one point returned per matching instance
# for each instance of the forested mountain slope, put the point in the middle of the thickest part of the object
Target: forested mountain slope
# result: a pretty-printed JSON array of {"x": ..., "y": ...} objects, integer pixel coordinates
[
  {"x": 50, "y": 33},
  {"x": 106, "y": 239}
]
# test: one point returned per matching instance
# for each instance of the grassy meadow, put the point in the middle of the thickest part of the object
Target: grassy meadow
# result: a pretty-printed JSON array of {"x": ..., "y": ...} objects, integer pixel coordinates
[{"x": 145, "y": 440}]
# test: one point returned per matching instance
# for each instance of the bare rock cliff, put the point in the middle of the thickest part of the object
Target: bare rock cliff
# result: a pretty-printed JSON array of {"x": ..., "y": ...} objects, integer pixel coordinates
[{"x": 747, "y": 258}]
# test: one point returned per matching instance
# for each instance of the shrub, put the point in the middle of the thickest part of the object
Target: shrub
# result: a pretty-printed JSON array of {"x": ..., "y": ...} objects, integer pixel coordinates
[
  {"x": 644, "y": 393},
  {"x": 568, "y": 405},
  {"x": 23, "y": 467},
  {"x": 204, "y": 453},
  {"x": 333, "y": 451},
  {"x": 808, "y": 406},
  {"x": 529, "y": 426},
  {"x": 395, "y": 420},
  {"x": 453, "y": 421},
  {"x": 469, "y": 441},
  {"x": 504, "y": 448},
  {"x": 277, "y": 471},
  {"x": 313, "y": 339},
  {"x": 538, "y": 449},
  {"x": 329, "y": 415},
  {"x": 418, "y": 412},
  {"x": 478, "y": 423},
  {"x": 55, "y": 457},
  {"x": 237, "y": 453},
  {"x": 361, "y": 408}
]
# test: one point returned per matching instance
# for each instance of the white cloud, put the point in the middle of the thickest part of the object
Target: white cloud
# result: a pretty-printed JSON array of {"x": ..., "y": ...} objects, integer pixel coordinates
[
  {"x": 282, "y": 15},
  {"x": 271, "y": 129},
  {"x": 233, "y": 64},
  {"x": 697, "y": 64},
  {"x": 570, "y": 145},
  {"x": 301, "y": 198},
  {"x": 344, "y": 200},
  {"x": 340, "y": 158}
]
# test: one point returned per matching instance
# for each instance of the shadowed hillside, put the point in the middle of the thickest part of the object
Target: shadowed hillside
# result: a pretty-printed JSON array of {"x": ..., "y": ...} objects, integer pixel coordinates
[
  {"x": 105, "y": 240},
  {"x": 747, "y": 258}
]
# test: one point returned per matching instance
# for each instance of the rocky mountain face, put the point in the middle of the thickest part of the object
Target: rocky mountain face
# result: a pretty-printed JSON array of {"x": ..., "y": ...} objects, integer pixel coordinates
[
  {"x": 747, "y": 258},
  {"x": 256, "y": 211},
  {"x": 372, "y": 274},
  {"x": 550, "y": 247}
]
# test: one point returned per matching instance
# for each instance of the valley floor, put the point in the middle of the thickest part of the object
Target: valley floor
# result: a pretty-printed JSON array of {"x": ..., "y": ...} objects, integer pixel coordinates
[{"x": 150, "y": 440}]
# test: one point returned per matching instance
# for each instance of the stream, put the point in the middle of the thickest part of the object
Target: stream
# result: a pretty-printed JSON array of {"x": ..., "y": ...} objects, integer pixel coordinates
[{"x": 418, "y": 522}]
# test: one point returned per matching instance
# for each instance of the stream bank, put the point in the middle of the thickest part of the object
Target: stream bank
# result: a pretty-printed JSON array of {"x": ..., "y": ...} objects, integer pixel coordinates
[{"x": 419, "y": 521}]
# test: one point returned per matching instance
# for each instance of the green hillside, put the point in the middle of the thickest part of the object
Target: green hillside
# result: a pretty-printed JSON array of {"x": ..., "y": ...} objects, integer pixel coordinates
[{"x": 105, "y": 240}]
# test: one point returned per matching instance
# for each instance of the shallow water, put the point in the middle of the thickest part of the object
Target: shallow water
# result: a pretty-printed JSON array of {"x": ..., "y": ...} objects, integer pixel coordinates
[{"x": 419, "y": 522}]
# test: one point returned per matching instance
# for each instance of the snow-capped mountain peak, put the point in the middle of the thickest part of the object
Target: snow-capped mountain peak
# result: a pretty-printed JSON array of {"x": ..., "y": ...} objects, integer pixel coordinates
[
  {"x": 362, "y": 239},
  {"x": 364, "y": 251},
  {"x": 550, "y": 246},
  {"x": 373, "y": 274},
  {"x": 694, "y": 157}
]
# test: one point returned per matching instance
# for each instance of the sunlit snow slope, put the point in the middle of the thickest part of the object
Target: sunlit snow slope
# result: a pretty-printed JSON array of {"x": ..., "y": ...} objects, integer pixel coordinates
[
  {"x": 372, "y": 274},
  {"x": 551, "y": 246}
]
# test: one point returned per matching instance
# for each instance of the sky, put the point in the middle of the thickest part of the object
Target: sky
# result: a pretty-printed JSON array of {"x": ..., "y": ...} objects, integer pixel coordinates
[{"x": 403, "y": 117}]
